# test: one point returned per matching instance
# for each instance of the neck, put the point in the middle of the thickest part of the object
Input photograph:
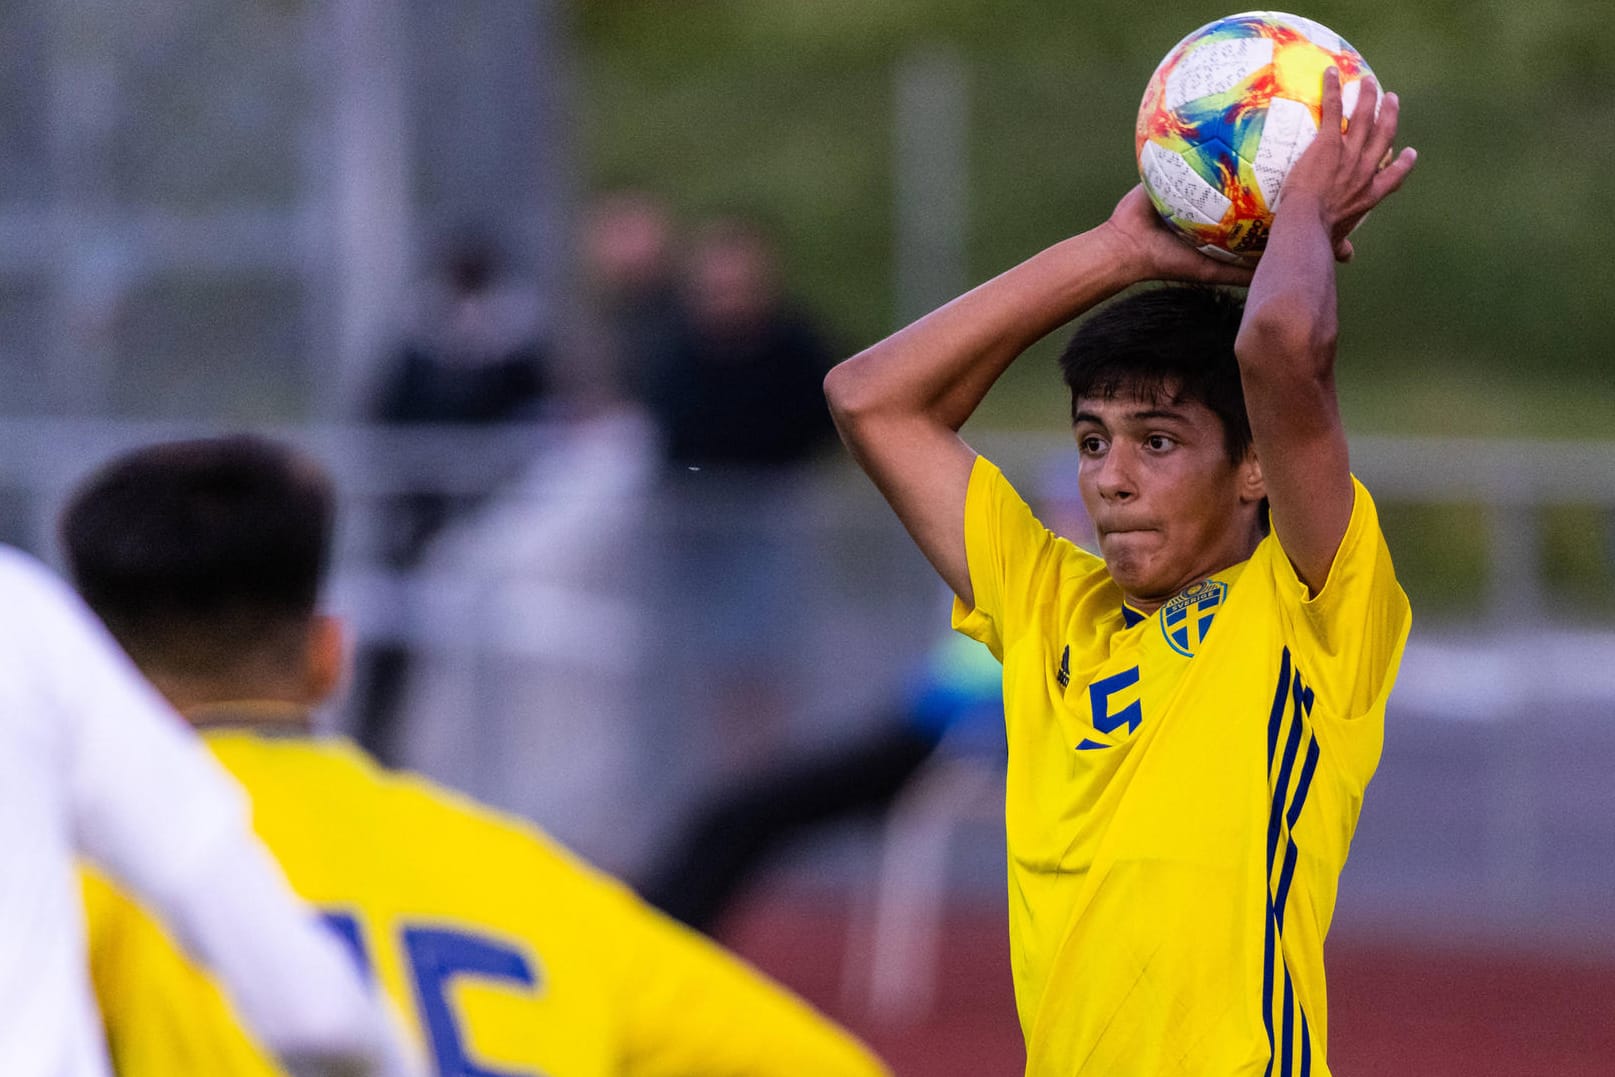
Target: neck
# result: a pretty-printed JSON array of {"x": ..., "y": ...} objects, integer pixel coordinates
[
  {"x": 272, "y": 714},
  {"x": 257, "y": 684}
]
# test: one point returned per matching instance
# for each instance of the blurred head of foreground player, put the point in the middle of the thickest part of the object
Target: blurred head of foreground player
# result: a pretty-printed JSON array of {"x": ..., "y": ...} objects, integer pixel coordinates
[{"x": 205, "y": 559}]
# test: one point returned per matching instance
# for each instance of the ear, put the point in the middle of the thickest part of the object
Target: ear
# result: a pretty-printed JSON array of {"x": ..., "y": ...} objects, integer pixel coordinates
[
  {"x": 327, "y": 658},
  {"x": 1252, "y": 486}
]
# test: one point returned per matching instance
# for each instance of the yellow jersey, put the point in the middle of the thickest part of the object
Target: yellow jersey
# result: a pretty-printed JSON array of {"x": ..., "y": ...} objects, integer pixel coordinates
[
  {"x": 1182, "y": 789},
  {"x": 507, "y": 956}
]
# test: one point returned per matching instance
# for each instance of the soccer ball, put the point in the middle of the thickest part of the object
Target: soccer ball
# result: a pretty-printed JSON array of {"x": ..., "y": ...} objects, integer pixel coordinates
[{"x": 1225, "y": 116}]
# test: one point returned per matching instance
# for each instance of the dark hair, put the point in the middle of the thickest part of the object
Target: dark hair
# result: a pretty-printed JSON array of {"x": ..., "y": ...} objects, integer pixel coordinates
[
  {"x": 1177, "y": 340},
  {"x": 198, "y": 553}
]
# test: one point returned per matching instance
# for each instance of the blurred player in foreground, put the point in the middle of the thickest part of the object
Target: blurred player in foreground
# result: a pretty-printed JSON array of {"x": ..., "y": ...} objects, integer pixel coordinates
[
  {"x": 205, "y": 559},
  {"x": 1193, "y": 718},
  {"x": 93, "y": 763}
]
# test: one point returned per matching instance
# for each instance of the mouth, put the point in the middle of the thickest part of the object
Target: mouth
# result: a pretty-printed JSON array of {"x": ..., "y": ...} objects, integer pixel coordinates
[{"x": 1110, "y": 531}]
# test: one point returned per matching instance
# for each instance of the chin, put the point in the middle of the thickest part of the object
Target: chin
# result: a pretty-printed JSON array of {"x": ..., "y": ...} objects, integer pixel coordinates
[
  {"x": 1137, "y": 582},
  {"x": 1133, "y": 581}
]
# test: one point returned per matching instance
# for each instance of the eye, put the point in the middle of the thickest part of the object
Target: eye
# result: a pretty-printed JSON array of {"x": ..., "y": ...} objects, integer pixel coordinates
[
  {"x": 1091, "y": 445},
  {"x": 1158, "y": 442}
]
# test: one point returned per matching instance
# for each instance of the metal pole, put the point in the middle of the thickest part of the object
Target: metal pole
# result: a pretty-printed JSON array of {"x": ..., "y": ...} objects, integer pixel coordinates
[
  {"x": 931, "y": 128},
  {"x": 369, "y": 203},
  {"x": 92, "y": 269}
]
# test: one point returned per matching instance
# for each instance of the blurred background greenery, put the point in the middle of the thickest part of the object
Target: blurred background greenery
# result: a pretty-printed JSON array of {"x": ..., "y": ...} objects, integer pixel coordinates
[{"x": 1475, "y": 308}]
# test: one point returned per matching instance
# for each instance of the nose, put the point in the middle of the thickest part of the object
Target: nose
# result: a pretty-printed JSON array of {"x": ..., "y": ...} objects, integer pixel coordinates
[{"x": 1115, "y": 479}]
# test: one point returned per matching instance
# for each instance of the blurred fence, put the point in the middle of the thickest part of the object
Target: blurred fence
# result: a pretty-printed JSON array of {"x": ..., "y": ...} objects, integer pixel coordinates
[
  {"x": 216, "y": 209},
  {"x": 596, "y": 641}
]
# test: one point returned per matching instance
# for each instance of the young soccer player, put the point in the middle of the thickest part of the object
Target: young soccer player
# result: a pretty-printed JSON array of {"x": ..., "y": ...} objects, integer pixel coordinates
[
  {"x": 1193, "y": 718},
  {"x": 509, "y": 955}
]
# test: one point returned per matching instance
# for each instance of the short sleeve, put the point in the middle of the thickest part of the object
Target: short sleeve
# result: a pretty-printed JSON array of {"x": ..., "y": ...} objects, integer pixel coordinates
[
  {"x": 1012, "y": 558},
  {"x": 1355, "y": 626}
]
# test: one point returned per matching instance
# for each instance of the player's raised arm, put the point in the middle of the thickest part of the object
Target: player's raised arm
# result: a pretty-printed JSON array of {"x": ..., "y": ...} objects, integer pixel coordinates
[
  {"x": 1286, "y": 344},
  {"x": 899, "y": 404}
]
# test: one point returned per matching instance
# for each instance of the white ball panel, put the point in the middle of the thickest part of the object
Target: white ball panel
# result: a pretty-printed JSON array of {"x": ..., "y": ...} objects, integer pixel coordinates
[
  {"x": 1216, "y": 68},
  {"x": 1288, "y": 130},
  {"x": 1180, "y": 186},
  {"x": 1221, "y": 255},
  {"x": 1317, "y": 31},
  {"x": 1349, "y": 93}
]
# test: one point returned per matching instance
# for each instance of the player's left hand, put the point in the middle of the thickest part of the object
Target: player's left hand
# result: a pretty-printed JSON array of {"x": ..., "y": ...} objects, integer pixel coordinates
[{"x": 1343, "y": 175}]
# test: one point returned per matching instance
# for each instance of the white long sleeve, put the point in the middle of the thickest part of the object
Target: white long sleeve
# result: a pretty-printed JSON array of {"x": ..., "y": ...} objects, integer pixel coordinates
[{"x": 93, "y": 762}]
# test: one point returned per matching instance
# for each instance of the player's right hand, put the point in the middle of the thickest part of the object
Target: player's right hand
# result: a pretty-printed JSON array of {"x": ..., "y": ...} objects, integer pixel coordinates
[
  {"x": 1343, "y": 175},
  {"x": 1154, "y": 251}
]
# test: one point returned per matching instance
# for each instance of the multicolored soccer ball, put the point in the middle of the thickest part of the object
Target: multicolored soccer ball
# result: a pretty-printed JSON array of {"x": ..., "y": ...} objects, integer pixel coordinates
[{"x": 1225, "y": 116}]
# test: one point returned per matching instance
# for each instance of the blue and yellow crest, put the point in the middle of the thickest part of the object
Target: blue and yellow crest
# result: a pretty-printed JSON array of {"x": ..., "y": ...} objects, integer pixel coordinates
[{"x": 1186, "y": 619}]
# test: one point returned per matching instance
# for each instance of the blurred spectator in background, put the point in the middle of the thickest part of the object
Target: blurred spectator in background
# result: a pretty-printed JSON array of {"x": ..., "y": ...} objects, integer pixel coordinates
[
  {"x": 559, "y": 699},
  {"x": 474, "y": 353},
  {"x": 743, "y": 382},
  {"x": 706, "y": 340},
  {"x": 630, "y": 272},
  {"x": 668, "y": 545},
  {"x": 739, "y": 405}
]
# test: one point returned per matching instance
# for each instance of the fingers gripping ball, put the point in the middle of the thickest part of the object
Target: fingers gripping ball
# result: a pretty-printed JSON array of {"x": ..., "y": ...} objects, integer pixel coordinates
[{"x": 1224, "y": 117}]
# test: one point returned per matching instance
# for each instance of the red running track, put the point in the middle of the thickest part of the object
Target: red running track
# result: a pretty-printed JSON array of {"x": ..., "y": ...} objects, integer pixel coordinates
[{"x": 1395, "y": 1009}]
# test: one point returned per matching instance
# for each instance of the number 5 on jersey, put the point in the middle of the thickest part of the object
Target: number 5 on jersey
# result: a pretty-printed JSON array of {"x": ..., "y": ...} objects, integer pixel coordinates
[{"x": 1109, "y": 712}]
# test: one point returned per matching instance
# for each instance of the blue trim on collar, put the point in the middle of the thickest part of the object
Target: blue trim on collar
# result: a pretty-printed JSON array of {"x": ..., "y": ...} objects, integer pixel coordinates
[{"x": 1131, "y": 617}]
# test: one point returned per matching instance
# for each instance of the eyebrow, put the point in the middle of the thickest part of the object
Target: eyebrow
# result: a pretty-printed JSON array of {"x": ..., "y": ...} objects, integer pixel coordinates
[{"x": 1144, "y": 414}]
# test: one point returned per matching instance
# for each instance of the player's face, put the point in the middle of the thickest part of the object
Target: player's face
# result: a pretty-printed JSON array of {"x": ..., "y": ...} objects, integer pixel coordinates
[{"x": 1168, "y": 507}]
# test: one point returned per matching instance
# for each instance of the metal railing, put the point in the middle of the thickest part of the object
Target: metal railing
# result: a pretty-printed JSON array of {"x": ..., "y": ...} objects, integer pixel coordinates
[{"x": 592, "y": 649}]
